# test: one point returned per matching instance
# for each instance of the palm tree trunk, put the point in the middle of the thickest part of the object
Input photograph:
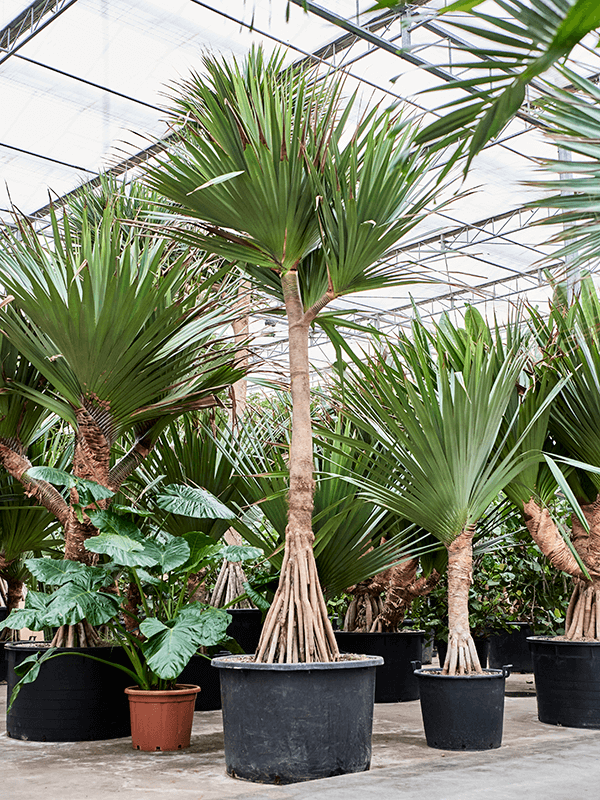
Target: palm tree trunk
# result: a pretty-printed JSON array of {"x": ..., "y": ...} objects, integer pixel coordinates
[
  {"x": 583, "y": 614},
  {"x": 297, "y": 627},
  {"x": 461, "y": 658}
]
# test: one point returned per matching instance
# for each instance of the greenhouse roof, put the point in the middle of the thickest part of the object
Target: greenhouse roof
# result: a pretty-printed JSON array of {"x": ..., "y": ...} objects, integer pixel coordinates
[{"x": 84, "y": 84}]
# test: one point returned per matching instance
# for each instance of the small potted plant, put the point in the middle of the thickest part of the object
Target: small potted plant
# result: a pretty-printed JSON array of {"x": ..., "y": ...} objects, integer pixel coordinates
[{"x": 159, "y": 633}]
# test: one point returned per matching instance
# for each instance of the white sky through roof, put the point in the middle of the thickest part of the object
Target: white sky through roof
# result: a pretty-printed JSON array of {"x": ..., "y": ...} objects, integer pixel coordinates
[{"x": 85, "y": 85}]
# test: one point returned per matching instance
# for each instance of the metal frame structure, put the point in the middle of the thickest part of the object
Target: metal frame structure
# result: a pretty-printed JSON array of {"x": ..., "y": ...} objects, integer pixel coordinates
[{"x": 350, "y": 45}]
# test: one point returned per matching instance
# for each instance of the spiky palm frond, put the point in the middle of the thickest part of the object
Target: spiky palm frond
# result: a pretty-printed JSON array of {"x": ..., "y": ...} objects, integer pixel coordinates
[
  {"x": 572, "y": 120},
  {"x": 438, "y": 430},
  {"x": 115, "y": 324},
  {"x": 509, "y": 46}
]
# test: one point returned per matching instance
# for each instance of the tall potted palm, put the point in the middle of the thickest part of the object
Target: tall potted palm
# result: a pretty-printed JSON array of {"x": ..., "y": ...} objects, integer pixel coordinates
[
  {"x": 441, "y": 465},
  {"x": 265, "y": 172}
]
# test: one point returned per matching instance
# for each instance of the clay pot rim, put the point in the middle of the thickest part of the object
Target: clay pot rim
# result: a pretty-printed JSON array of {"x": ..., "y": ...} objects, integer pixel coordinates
[{"x": 182, "y": 688}]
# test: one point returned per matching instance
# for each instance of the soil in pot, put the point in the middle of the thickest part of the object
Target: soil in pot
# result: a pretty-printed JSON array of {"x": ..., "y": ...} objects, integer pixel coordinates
[
  {"x": 511, "y": 647},
  {"x": 73, "y": 699},
  {"x": 161, "y": 720},
  {"x": 567, "y": 681},
  {"x": 285, "y": 723},
  {"x": 395, "y": 681},
  {"x": 462, "y": 712}
]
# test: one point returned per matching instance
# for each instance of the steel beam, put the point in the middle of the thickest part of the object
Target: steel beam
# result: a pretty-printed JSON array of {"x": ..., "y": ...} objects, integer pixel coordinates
[{"x": 28, "y": 23}]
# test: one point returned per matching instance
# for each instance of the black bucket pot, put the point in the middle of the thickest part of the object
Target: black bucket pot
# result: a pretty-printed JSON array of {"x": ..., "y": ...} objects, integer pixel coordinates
[
  {"x": 511, "y": 647},
  {"x": 73, "y": 699},
  {"x": 462, "y": 712},
  {"x": 3, "y": 616},
  {"x": 200, "y": 672},
  {"x": 395, "y": 681},
  {"x": 245, "y": 627},
  {"x": 285, "y": 723},
  {"x": 567, "y": 681}
]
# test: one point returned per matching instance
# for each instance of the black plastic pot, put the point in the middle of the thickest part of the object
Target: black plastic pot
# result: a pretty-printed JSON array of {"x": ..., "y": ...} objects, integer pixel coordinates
[
  {"x": 245, "y": 627},
  {"x": 199, "y": 672},
  {"x": 511, "y": 647},
  {"x": 395, "y": 681},
  {"x": 481, "y": 645},
  {"x": 567, "y": 681},
  {"x": 462, "y": 712},
  {"x": 3, "y": 616},
  {"x": 285, "y": 723},
  {"x": 73, "y": 699}
]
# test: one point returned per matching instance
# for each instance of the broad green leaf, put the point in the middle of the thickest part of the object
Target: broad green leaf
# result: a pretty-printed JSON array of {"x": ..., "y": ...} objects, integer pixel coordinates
[
  {"x": 110, "y": 522},
  {"x": 200, "y": 545},
  {"x": 72, "y": 603},
  {"x": 93, "y": 490},
  {"x": 56, "y": 477},
  {"x": 56, "y": 572},
  {"x": 236, "y": 552},
  {"x": 169, "y": 649},
  {"x": 174, "y": 553},
  {"x": 190, "y": 501}
]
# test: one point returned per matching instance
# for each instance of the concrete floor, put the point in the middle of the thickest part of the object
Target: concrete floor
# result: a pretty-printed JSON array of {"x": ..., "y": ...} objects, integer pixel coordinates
[{"x": 535, "y": 762}]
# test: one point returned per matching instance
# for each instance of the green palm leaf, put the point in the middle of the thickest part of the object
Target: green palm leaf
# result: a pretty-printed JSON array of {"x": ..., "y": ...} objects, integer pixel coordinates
[{"x": 515, "y": 44}]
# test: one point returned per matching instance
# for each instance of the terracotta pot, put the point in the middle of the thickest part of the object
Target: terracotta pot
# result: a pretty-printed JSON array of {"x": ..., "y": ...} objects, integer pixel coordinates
[{"x": 162, "y": 720}]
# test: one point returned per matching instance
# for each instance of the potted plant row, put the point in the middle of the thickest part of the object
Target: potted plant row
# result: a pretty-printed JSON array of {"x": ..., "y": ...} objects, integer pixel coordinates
[{"x": 158, "y": 633}]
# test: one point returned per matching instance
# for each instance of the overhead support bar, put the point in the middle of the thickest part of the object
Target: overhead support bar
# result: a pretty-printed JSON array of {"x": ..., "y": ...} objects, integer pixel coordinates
[{"x": 30, "y": 22}]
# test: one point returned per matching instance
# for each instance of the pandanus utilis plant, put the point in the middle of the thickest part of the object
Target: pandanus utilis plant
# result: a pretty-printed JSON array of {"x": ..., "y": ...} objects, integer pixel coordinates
[
  {"x": 440, "y": 440},
  {"x": 271, "y": 177}
]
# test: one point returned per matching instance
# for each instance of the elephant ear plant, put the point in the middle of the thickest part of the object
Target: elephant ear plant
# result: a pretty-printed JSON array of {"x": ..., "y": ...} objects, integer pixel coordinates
[
  {"x": 272, "y": 178},
  {"x": 168, "y": 626}
]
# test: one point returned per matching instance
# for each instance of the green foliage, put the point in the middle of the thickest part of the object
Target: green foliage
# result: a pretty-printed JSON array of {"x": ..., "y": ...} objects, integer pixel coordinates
[
  {"x": 271, "y": 178},
  {"x": 160, "y": 565},
  {"x": 116, "y": 321},
  {"x": 512, "y": 48},
  {"x": 513, "y": 584}
]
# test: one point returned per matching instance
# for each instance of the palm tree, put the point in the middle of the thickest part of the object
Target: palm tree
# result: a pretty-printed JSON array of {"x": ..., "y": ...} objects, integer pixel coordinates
[
  {"x": 265, "y": 172},
  {"x": 122, "y": 329},
  {"x": 440, "y": 462}
]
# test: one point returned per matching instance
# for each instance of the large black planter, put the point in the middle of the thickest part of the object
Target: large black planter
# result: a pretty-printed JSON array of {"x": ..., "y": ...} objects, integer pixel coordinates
[
  {"x": 199, "y": 672},
  {"x": 511, "y": 647},
  {"x": 462, "y": 712},
  {"x": 245, "y": 627},
  {"x": 567, "y": 681},
  {"x": 73, "y": 699},
  {"x": 285, "y": 723},
  {"x": 395, "y": 680},
  {"x": 3, "y": 616}
]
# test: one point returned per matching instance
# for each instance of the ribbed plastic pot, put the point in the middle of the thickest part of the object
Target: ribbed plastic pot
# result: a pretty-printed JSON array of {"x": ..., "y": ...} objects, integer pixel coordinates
[
  {"x": 567, "y": 681},
  {"x": 285, "y": 723},
  {"x": 161, "y": 720},
  {"x": 3, "y": 616},
  {"x": 245, "y": 627},
  {"x": 511, "y": 647},
  {"x": 395, "y": 681},
  {"x": 199, "y": 672},
  {"x": 73, "y": 699},
  {"x": 462, "y": 712}
]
